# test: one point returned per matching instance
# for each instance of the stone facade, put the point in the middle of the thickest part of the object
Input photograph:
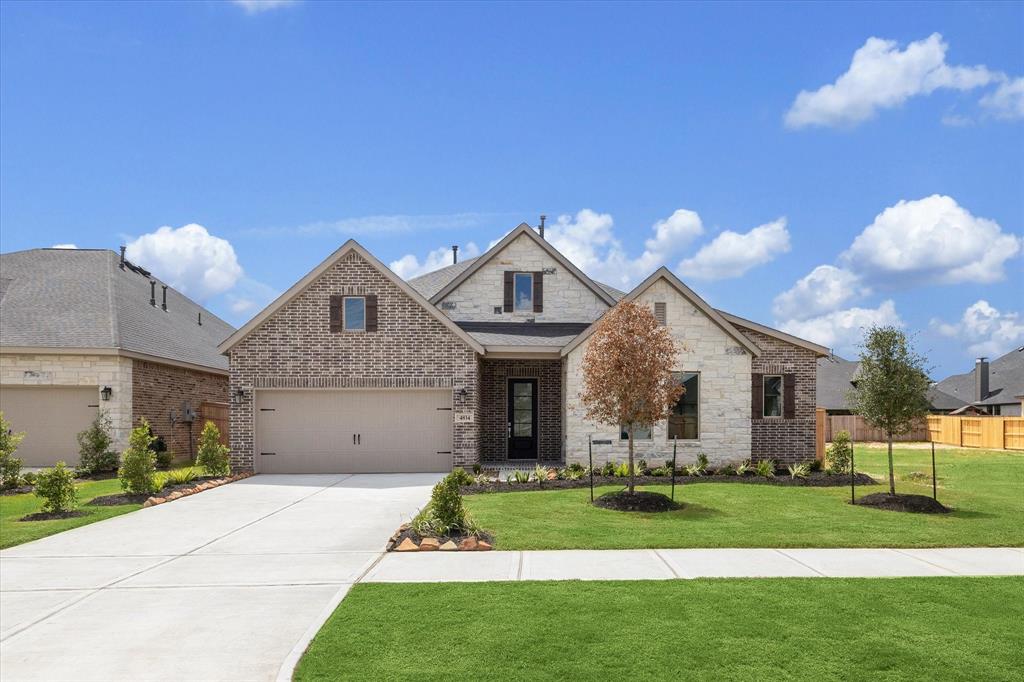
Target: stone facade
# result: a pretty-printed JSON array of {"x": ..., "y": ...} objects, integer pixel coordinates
[
  {"x": 787, "y": 441},
  {"x": 294, "y": 348},
  {"x": 159, "y": 389},
  {"x": 494, "y": 376},
  {"x": 724, "y": 385},
  {"x": 46, "y": 369},
  {"x": 566, "y": 298}
]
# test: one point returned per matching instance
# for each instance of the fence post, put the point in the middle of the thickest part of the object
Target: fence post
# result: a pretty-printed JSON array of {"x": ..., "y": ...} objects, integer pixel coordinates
[
  {"x": 674, "y": 446},
  {"x": 935, "y": 494},
  {"x": 853, "y": 499},
  {"x": 590, "y": 453}
]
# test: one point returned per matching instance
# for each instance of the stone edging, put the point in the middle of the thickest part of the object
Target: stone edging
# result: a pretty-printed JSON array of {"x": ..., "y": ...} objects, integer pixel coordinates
[
  {"x": 205, "y": 485},
  {"x": 401, "y": 542}
]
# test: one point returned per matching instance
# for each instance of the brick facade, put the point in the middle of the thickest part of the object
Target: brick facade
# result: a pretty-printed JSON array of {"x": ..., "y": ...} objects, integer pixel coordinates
[
  {"x": 787, "y": 441},
  {"x": 159, "y": 389},
  {"x": 294, "y": 348},
  {"x": 494, "y": 376}
]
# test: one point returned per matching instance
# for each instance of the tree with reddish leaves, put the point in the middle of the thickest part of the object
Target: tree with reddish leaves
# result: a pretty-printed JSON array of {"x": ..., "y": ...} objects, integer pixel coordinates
[{"x": 627, "y": 372}]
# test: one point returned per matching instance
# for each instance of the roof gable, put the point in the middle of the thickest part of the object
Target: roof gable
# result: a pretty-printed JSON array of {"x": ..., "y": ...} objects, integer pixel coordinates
[
  {"x": 820, "y": 351},
  {"x": 315, "y": 273}
]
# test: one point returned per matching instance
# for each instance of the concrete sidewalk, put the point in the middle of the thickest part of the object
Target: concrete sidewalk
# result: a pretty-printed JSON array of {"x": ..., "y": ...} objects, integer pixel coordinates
[{"x": 666, "y": 564}]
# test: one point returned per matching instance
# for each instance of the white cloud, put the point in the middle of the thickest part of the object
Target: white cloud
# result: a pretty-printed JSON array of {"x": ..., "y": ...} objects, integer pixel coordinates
[
  {"x": 881, "y": 76},
  {"x": 188, "y": 258},
  {"x": 824, "y": 289},
  {"x": 64, "y": 246},
  {"x": 988, "y": 331},
  {"x": 930, "y": 240},
  {"x": 732, "y": 254},
  {"x": 1006, "y": 101},
  {"x": 249, "y": 296},
  {"x": 409, "y": 265},
  {"x": 258, "y": 6},
  {"x": 843, "y": 330}
]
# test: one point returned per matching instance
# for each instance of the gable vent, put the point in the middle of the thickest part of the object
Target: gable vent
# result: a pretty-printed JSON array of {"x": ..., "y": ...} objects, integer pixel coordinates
[{"x": 661, "y": 312}]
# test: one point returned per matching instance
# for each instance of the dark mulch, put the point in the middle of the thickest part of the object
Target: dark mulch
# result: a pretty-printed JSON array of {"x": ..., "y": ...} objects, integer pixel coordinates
[
  {"x": 20, "y": 490},
  {"x": 406, "y": 532},
  {"x": 49, "y": 516},
  {"x": 640, "y": 501},
  {"x": 126, "y": 498},
  {"x": 918, "y": 504},
  {"x": 817, "y": 479}
]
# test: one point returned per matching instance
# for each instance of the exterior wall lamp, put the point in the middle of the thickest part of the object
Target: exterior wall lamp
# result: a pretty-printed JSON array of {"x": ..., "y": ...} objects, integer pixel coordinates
[
  {"x": 238, "y": 396},
  {"x": 106, "y": 392}
]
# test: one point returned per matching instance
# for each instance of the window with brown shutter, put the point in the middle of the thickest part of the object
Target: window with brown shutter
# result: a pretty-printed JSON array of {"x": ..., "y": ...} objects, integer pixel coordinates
[
  {"x": 371, "y": 312},
  {"x": 788, "y": 396},
  {"x": 509, "y": 286},
  {"x": 757, "y": 396},
  {"x": 335, "y": 313},
  {"x": 538, "y": 292}
]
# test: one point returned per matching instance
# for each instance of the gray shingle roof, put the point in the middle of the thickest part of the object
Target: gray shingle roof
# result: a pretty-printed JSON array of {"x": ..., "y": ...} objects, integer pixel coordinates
[
  {"x": 1005, "y": 381},
  {"x": 836, "y": 373},
  {"x": 81, "y": 298},
  {"x": 540, "y": 334},
  {"x": 432, "y": 282}
]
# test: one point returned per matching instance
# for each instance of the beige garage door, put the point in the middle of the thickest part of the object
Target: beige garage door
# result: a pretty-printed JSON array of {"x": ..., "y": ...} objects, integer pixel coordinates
[
  {"x": 51, "y": 417},
  {"x": 353, "y": 431}
]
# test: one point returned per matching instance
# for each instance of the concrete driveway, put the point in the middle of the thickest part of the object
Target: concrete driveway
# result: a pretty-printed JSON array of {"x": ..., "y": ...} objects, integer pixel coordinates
[{"x": 222, "y": 585}]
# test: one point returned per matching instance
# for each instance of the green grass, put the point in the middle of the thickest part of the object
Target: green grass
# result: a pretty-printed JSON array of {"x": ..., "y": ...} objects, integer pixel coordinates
[
  {"x": 985, "y": 488},
  {"x": 813, "y": 629}
]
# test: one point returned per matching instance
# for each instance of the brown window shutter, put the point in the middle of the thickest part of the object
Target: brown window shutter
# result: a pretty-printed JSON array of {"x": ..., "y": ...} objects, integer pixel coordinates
[
  {"x": 335, "y": 315},
  {"x": 757, "y": 396},
  {"x": 371, "y": 312},
  {"x": 538, "y": 292},
  {"x": 788, "y": 396},
  {"x": 509, "y": 286}
]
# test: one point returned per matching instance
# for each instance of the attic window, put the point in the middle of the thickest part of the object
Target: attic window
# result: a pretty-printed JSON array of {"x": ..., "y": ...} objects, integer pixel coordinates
[
  {"x": 523, "y": 292},
  {"x": 355, "y": 314}
]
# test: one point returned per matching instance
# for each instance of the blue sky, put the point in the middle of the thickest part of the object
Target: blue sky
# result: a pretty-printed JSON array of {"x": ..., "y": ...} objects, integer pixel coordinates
[{"x": 892, "y": 190}]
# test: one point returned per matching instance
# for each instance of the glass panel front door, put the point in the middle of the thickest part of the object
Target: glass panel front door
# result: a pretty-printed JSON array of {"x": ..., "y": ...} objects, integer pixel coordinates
[{"x": 522, "y": 419}]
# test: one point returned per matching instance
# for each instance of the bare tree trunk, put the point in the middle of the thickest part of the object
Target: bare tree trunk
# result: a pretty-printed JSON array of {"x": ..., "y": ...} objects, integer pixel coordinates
[
  {"x": 892, "y": 478},
  {"x": 632, "y": 478}
]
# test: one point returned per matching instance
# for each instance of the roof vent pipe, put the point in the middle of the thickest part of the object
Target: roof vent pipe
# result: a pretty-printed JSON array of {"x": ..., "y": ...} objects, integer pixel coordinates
[
  {"x": 455, "y": 254},
  {"x": 123, "y": 247},
  {"x": 164, "y": 304},
  {"x": 152, "y": 293},
  {"x": 200, "y": 319},
  {"x": 980, "y": 379},
  {"x": 542, "y": 219}
]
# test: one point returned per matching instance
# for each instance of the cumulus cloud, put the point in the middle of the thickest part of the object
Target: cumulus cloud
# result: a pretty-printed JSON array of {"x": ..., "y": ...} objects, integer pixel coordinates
[
  {"x": 1006, "y": 101},
  {"x": 188, "y": 258},
  {"x": 988, "y": 331},
  {"x": 824, "y": 289},
  {"x": 258, "y": 6},
  {"x": 882, "y": 76},
  {"x": 409, "y": 265},
  {"x": 64, "y": 246},
  {"x": 843, "y": 330},
  {"x": 732, "y": 254},
  {"x": 931, "y": 240}
]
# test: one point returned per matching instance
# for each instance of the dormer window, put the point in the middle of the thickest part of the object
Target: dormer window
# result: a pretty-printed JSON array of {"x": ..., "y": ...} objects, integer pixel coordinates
[{"x": 524, "y": 292}]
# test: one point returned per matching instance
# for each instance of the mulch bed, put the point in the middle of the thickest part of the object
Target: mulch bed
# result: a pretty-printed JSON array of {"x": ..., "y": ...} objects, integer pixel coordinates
[
  {"x": 49, "y": 516},
  {"x": 817, "y": 479},
  {"x": 640, "y": 501},
  {"x": 918, "y": 504},
  {"x": 20, "y": 490},
  {"x": 405, "y": 532},
  {"x": 126, "y": 498}
]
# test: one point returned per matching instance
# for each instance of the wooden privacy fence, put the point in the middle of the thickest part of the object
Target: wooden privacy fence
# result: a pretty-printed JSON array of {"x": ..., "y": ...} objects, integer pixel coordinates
[
  {"x": 860, "y": 431},
  {"x": 218, "y": 414},
  {"x": 978, "y": 432}
]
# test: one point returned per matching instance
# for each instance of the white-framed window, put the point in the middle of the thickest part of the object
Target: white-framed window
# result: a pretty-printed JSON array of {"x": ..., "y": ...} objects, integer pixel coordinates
[
  {"x": 522, "y": 292},
  {"x": 684, "y": 422},
  {"x": 354, "y": 314},
  {"x": 773, "y": 395},
  {"x": 639, "y": 432}
]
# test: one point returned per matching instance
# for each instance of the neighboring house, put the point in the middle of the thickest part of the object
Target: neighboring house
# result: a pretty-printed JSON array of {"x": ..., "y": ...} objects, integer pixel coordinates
[
  {"x": 354, "y": 369},
  {"x": 83, "y": 330},
  {"x": 835, "y": 377},
  {"x": 993, "y": 388}
]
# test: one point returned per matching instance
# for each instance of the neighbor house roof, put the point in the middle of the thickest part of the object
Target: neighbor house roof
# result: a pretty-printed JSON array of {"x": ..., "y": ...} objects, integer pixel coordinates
[
  {"x": 81, "y": 299},
  {"x": 1005, "y": 381},
  {"x": 835, "y": 375}
]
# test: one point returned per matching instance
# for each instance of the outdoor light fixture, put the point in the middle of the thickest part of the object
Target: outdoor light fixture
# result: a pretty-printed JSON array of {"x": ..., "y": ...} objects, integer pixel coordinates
[
  {"x": 238, "y": 396},
  {"x": 106, "y": 392},
  {"x": 463, "y": 393}
]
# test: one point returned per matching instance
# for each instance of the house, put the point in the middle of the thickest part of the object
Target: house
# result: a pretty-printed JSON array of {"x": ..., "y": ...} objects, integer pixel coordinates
[
  {"x": 835, "y": 377},
  {"x": 991, "y": 388},
  {"x": 83, "y": 330},
  {"x": 355, "y": 370}
]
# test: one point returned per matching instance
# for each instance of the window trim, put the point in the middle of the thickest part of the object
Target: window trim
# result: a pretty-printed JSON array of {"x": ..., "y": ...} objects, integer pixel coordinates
[
  {"x": 782, "y": 396},
  {"x": 344, "y": 314},
  {"x": 700, "y": 381},
  {"x": 528, "y": 308}
]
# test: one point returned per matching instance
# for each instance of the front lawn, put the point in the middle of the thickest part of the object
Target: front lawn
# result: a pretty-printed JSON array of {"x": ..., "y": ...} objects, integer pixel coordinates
[
  {"x": 985, "y": 488},
  {"x": 760, "y": 629}
]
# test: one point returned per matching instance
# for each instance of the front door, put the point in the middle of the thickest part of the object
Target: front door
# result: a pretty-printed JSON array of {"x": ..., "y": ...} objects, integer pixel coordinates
[{"x": 522, "y": 419}]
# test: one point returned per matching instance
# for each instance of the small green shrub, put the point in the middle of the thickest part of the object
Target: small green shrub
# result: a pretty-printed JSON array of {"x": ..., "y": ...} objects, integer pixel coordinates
[
  {"x": 177, "y": 476},
  {"x": 164, "y": 459},
  {"x": 94, "y": 453},
  {"x": 572, "y": 474},
  {"x": 726, "y": 470},
  {"x": 661, "y": 471},
  {"x": 214, "y": 455},
  {"x": 540, "y": 473},
  {"x": 743, "y": 468},
  {"x": 518, "y": 476},
  {"x": 28, "y": 478},
  {"x": 608, "y": 469},
  {"x": 698, "y": 468},
  {"x": 482, "y": 479},
  {"x": 461, "y": 476},
  {"x": 839, "y": 453},
  {"x": 56, "y": 487},
  {"x": 10, "y": 466},
  {"x": 642, "y": 468},
  {"x": 621, "y": 470},
  {"x": 577, "y": 467},
  {"x": 138, "y": 462},
  {"x": 814, "y": 464},
  {"x": 765, "y": 468},
  {"x": 799, "y": 471},
  {"x": 477, "y": 468},
  {"x": 445, "y": 513}
]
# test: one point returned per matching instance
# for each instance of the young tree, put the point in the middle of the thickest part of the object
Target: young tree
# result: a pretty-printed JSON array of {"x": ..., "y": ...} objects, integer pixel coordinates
[
  {"x": 213, "y": 455},
  {"x": 138, "y": 462},
  {"x": 627, "y": 372},
  {"x": 891, "y": 385},
  {"x": 94, "y": 453},
  {"x": 10, "y": 466}
]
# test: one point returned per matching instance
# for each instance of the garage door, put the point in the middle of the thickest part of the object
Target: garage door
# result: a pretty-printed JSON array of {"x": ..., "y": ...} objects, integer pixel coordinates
[
  {"x": 50, "y": 417},
  {"x": 353, "y": 431}
]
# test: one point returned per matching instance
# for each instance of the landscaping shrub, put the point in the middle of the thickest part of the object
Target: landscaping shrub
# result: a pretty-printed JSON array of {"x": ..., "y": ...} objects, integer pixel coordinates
[
  {"x": 29, "y": 478},
  {"x": 743, "y": 467},
  {"x": 164, "y": 457},
  {"x": 577, "y": 467},
  {"x": 573, "y": 474},
  {"x": 95, "y": 455},
  {"x": 477, "y": 468},
  {"x": 801, "y": 471},
  {"x": 444, "y": 514},
  {"x": 641, "y": 467},
  {"x": 814, "y": 464},
  {"x": 540, "y": 473},
  {"x": 765, "y": 468},
  {"x": 698, "y": 468},
  {"x": 726, "y": 470},
  {"x": 839, "y": 453},
  {"x": 57, "y": 488},
  {"x": 177, "y": 476},
  {"x": 461, "y": 476},
  {"x": 518, "y": 477},
  {"x": 621, "y": 470},
  {"x": 138, "y": 462},
  {"x": 608, "y": 469},
  {"x": 214, "y": 455},
  {"x": 10, "y": 466}
]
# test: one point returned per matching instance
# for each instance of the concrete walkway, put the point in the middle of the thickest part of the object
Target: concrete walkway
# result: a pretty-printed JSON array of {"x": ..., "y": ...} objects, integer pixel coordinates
[
  {"x": 666, "y": 564},
  {"x": 229, "y": 584}
]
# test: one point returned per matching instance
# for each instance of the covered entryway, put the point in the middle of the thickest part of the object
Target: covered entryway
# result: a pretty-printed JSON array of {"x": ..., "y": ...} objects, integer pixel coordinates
[
  {"x": 353, "y": 431},
  {"x": 50, "y": 417}
]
